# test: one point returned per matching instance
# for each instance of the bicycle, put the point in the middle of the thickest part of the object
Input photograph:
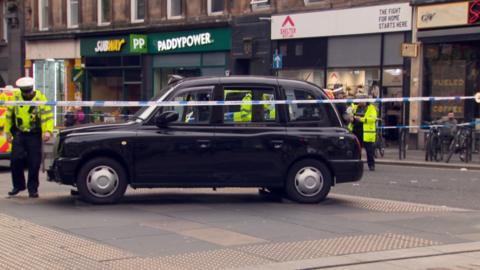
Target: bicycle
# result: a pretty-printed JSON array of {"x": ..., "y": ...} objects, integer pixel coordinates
[
  {"x": 434, "y": 149},
  {"x": 461, "y": 144},
  {"x": 380, "y": 141}
]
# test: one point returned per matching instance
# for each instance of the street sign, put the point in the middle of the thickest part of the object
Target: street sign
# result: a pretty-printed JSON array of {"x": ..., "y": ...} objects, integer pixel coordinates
[{"x": 277, "y": 61}]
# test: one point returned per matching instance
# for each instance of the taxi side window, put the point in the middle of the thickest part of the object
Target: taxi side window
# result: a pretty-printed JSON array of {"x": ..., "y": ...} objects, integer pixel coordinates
[
  {"x": 192, "y": 114},
  {"x": 306, "y": 112},
  {"x": 245, "y": 112}
]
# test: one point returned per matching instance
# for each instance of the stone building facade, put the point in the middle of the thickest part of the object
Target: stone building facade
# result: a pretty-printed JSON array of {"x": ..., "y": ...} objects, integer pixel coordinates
[{"x": 12, "y": 49}]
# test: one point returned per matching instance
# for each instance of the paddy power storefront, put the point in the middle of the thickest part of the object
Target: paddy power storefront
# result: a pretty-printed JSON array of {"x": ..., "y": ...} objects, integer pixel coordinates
[{"x": 135, "y": 67}]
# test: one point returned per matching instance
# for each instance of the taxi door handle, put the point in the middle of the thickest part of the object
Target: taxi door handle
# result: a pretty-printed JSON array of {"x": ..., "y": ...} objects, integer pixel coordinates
[
  {"x": 204, "y": 144},
  {"x": 277, "y": 144}
]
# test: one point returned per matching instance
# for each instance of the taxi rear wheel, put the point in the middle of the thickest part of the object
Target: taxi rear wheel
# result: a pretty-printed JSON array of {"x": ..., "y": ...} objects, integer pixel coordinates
[
  {"x": 308, "y": 181},
  {"x": 102, "y": 181}
]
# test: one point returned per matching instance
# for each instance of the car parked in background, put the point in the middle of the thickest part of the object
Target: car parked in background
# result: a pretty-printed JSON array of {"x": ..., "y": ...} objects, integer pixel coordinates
[{"x": 298, "y": 150}]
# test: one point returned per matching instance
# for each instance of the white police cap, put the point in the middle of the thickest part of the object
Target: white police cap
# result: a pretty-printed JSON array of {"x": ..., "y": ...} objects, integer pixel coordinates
[{"x": 25, "y": 82}]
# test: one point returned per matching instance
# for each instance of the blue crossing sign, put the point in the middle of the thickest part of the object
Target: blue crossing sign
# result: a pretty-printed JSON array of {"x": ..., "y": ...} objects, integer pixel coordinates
[{"x": 277, "y": 61}]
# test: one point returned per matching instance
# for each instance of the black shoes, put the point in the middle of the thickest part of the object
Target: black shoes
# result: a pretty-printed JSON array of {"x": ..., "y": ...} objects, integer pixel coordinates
[
  {"x": 15, "y": 191},
  {"x": 371, "y": 168}
]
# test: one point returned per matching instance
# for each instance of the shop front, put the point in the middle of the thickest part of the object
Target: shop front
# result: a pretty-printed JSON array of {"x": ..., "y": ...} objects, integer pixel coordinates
[
  {"x": 449, "y": 34},
  {"x": 356, "y": 50},
  {"x": 135, "y": 67},
  {"x": 52, "y": 64}
]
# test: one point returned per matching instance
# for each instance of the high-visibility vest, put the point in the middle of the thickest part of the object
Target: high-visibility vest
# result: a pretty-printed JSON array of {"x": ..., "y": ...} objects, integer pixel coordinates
[
  {"x": 245, "y": 113},
  {"x": 370, "y": 124},
  {"x": 29, "y": 118},
  {"x": 354, "y": 111}
]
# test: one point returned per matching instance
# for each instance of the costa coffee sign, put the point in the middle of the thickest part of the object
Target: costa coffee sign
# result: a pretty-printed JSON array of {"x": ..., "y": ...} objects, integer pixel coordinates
[
  {"x": 353, "y": 21},
  {"x": 450, "y": 14}
]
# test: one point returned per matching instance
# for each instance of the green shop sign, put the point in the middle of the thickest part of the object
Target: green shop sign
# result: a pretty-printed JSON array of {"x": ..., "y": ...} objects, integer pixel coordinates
[
  {"x": 190, "y": 41},
  {"x": 160, "y": 43}
]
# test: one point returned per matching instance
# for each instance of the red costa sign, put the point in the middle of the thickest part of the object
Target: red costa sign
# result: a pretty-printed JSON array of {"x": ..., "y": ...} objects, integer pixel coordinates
[{"x": 474, "y": 12}]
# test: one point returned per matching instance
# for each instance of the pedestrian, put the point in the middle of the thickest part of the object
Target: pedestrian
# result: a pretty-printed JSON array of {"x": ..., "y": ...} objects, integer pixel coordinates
[
  {"x": 364, "y": 126},
  {"x": 25, "y": 127}
]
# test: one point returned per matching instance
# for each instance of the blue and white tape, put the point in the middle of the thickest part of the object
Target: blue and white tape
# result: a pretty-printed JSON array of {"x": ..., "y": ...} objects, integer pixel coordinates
[{"x": 230, "y": 103}]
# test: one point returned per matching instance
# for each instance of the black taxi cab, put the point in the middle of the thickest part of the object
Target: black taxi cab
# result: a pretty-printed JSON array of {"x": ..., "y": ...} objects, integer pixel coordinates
[{"x": 297, "y": 150}]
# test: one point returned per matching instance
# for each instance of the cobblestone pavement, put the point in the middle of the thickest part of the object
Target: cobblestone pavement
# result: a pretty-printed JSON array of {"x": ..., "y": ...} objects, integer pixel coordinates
[{"x": 231, "y": 228}]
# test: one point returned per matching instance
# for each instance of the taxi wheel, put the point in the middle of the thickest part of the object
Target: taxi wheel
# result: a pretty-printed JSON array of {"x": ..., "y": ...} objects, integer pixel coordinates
[
  {"x": 308, "y": 181},
  {"x": 102, "y": 181}
]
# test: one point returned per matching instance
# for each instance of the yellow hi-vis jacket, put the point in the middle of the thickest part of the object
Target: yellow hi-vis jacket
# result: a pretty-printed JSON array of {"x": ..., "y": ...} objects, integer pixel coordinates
[
  {"x": 245, "y": 113},
  {"x": 369, "y": 121},
  {"x": 29, "y": 118},
  {"x": 370, "y": 124}
]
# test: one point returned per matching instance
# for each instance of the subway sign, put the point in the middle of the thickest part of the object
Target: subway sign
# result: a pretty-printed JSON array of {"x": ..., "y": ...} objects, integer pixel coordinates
[{"x": 159, "y": 43}]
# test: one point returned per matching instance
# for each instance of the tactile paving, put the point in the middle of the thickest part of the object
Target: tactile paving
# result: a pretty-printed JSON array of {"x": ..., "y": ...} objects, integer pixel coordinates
[
  {"x": 212, "y": 260},
  {"x": 389, "y": 206},
  {"x": 301, "y": 250}
]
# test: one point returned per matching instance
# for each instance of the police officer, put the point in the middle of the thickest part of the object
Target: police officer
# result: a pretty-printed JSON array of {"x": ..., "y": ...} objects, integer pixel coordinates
[
  {"x": 365, "y": 127},
  {"x": 25, "y": 127}
]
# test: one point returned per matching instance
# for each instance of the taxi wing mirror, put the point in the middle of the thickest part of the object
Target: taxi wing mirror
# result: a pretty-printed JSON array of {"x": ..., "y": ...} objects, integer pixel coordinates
[{"x": 164, "y": 118}]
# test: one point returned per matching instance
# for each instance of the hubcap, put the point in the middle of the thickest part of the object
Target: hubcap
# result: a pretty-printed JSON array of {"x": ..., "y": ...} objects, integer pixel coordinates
[
  {"x": 102, "y": 181},
  {"x": 309, "y": 181}
]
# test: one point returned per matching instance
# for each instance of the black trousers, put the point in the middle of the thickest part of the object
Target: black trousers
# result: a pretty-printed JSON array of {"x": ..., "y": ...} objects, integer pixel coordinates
[
  {"x": 370, "y": 148},
  {"x": 26, "y": 152}
]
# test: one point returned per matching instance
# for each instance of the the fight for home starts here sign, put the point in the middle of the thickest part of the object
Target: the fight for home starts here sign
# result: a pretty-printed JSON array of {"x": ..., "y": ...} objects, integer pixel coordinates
[{"x": 353, "y": 21}]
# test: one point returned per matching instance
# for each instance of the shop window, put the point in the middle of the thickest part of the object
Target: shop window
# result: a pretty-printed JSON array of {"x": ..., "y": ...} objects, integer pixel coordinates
[
  {"x": 138, "y": 10},
  {"x": 309, "y": 2},
  {"x": 43, "y": 12},
  {"x": 353, "y": 81},
  {"x": 216, "y": 7},
  {"x": 3, "y": 22},
  {"x": 104, "y": 12},
  {"x": 72, "y": 13},
  {"x": 306, "y": 112},
  {"x": 259, "y": 4},
  {"x": 284, "y": 50},
  {"x": 315, "y": 76},
  {"x": 299, "y": 49},
  {"x": 248, "y": 113},
  {"x": 49, "y": 79},
  {"x": 131, "y": 61},
  {"x": 192, "y": 114},
  {"x": 175, "y": 8},
  {"x": 133, "y": 75}
]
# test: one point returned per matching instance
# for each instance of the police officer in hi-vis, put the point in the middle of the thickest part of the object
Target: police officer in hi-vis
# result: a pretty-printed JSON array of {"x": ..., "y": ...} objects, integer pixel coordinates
[{"x": 26, "y": 127}]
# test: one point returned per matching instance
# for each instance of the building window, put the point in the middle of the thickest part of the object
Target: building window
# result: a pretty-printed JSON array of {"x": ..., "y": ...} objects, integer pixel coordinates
[
  {"x": 72, "y": 13},
  {"x": 216, "y": 7},
  {"x": 104, "y": 12},
  {"x": 3, "y": 22},
  {"x": 258, "y": 4},
  {"x": 175, "y": 8},
  {"x": 43, "y": 18},
  {"x": 138, "y": 10},
  {"x": 308, "y": 2}
]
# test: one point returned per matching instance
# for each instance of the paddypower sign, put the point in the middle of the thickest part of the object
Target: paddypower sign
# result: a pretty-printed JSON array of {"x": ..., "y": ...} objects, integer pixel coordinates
[
  {"x": 190, "y": 41},
  {"x": 159, "y": 43}
]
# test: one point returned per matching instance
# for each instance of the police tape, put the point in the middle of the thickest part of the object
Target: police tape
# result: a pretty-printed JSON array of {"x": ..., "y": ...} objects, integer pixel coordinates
[
  {"x": 426, "y": 126},
  {"x": 232, "y": 103}
]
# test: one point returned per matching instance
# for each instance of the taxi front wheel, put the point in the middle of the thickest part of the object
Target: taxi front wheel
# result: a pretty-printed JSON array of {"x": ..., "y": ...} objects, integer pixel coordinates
[
  {"x": 308, "y": 181},
  {"x": 102, "y": 181}
]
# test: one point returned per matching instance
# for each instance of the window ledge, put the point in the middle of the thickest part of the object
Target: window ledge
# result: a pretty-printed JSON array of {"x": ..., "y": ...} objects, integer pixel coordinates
[{"x": 138, "y": 21}]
